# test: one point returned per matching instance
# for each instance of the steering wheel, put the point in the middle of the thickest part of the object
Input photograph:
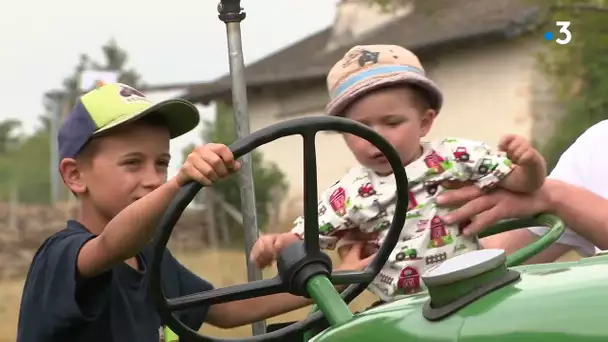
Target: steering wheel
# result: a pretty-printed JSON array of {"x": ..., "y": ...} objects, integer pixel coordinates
[{"x": 304, "y": 270}]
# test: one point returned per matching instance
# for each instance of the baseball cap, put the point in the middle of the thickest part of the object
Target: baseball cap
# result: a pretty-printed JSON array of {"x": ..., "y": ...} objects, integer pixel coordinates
[
  {"x": 367, "y": 67},
  {"x": 115, "y": 104}
]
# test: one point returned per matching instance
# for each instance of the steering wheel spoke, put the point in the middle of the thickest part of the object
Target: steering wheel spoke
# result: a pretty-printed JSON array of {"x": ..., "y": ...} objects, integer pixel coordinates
[
  {"x": 232, "y": 293},
  {"x": 311, "y": 207},
  {"x": 350, "y": 277}
]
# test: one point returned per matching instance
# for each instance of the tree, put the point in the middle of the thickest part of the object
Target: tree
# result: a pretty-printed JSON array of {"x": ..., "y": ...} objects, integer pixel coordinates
[
  {"x": 8, "y": 137},
  {"x": 26, "y": 164},
  {"x": 270, "y": 182},
  {"x": 578, "y": 71}
]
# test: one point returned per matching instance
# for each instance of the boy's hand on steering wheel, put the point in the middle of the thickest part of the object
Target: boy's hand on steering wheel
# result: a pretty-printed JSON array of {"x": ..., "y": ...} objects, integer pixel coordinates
[{"x": 207, "y": 164}]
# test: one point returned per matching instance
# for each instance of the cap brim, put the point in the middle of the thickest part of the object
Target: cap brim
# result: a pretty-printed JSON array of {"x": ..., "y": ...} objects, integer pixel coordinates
[
  {"x": 338, "y": 104},
  {"x": 179, "y": 115}
]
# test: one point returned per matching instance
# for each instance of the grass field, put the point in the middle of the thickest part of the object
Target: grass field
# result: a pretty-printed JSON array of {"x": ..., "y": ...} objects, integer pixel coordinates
[{"x": 221, "y": 268}]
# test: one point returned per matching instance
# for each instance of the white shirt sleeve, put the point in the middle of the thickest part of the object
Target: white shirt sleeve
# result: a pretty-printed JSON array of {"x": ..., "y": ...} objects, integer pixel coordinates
[{"x": 580, "y": 166}]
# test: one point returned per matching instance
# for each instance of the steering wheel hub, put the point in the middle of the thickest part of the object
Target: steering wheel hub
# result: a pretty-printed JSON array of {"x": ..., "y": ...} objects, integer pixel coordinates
[{"x": 296, "y": 267}]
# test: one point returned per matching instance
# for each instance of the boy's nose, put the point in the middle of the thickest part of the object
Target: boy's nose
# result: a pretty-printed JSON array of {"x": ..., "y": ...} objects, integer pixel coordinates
[{"x": 152, "y": 179}]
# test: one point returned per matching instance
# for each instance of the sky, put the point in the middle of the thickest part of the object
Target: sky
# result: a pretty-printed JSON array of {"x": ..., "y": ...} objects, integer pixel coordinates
[{"x": 41, "y": 41}]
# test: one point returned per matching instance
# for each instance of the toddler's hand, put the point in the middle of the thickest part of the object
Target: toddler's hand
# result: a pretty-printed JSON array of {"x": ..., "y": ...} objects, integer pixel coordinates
[
  {"x": 267, "y": 247},
  {"x": 207, "y": 164},
  {"x": 518, "y": 149}
]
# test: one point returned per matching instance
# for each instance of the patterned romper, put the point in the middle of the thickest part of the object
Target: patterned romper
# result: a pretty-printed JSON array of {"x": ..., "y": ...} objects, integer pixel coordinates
[{"x": 365, "y": 201}]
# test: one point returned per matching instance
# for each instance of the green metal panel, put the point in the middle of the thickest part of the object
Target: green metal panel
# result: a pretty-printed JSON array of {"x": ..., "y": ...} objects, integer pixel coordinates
[{"x": 551, "y": 302}]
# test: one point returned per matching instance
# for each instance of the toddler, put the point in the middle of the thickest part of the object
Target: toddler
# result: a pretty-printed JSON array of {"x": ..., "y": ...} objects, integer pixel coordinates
[{"x": 385, "y": 88}]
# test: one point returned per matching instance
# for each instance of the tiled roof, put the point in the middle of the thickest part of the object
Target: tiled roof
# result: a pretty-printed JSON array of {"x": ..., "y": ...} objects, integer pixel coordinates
[{"x": 433, "y": 25}]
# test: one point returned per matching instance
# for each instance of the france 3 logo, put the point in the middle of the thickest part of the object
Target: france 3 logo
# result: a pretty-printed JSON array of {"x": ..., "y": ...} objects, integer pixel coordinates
[{"x": 564, "y": 35}]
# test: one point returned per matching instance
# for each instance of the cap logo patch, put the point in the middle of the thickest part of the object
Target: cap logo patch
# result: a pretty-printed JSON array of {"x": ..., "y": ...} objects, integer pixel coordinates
[
  {"x": 368, "y": 57},
  {"x": 362, "y": 57},
  {"x": 132, "y": 95}
]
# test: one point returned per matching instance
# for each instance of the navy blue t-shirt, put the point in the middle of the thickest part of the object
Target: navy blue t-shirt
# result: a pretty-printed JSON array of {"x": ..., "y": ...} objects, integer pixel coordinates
[{"x": 59, "y": 305}]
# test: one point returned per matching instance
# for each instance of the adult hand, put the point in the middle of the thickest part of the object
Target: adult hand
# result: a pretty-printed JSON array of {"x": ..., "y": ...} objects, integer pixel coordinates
[{"x": 486, "y": 209}]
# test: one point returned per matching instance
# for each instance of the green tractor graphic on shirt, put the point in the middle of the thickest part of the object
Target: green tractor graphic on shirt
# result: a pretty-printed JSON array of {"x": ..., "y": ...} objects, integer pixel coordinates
[
  {"x": 326, "y": 228},
  {"x": 486, "y": 165},
  {"x": 407, "y": 253}
]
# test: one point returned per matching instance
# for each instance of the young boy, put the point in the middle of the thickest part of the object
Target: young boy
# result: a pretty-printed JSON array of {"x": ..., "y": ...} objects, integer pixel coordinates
[
  {"x": 385, "y": 88},
  {"x": 88, "y": 282}
]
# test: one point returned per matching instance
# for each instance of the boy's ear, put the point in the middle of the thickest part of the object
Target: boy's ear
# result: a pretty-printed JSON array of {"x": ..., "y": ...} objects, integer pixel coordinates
[
  {"x": 426, "y": 121},
  {"x": 72, "y": 175}
]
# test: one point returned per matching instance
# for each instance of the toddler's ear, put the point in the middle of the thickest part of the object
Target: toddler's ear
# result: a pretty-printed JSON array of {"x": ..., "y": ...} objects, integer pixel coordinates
[
  {"x": 72, "y": 177},
  {"x": 426, "y": 121}
]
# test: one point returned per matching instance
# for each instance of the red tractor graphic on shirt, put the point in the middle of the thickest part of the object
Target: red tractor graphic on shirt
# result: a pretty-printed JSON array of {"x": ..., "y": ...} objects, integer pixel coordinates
[
  {"x": 366, "y": 190},
  {"x": 461, "y": 154},
  {"x": 440, "y": 236},
  {"x": 409, "y": 281}
]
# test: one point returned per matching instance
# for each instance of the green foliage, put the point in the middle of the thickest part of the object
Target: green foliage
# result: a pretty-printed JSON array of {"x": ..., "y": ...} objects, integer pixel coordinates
[
  {"x": 8, "y": 135},
  {"x": 578, "y": 71},
  {"x": 25, "y": 159},
  {"x": 269, "y": 180}
]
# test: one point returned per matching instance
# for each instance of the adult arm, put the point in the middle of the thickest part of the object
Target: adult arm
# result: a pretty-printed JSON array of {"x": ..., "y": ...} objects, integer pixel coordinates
[
  {"x": 583, "y": 167},
  {"x": 513, "y": 240},
  {"x": 578, "y": 208}
]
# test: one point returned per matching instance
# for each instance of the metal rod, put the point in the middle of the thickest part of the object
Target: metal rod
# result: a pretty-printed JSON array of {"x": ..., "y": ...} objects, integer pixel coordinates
[
  {"x": 55, "y": 121},
  {"x": 231, "y": 13}
]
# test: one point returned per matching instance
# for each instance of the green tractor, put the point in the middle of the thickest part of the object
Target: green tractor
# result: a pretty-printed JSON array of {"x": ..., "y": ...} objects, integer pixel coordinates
[{"x": 406, "y": 253}]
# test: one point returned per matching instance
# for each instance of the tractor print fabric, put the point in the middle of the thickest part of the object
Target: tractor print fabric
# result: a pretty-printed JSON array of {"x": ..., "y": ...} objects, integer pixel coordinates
[{"x": 365, "y": 201}]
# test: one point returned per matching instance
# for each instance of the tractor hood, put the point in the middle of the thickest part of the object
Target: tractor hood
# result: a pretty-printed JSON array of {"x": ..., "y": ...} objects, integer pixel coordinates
[{"x": 549, "y": 302}]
